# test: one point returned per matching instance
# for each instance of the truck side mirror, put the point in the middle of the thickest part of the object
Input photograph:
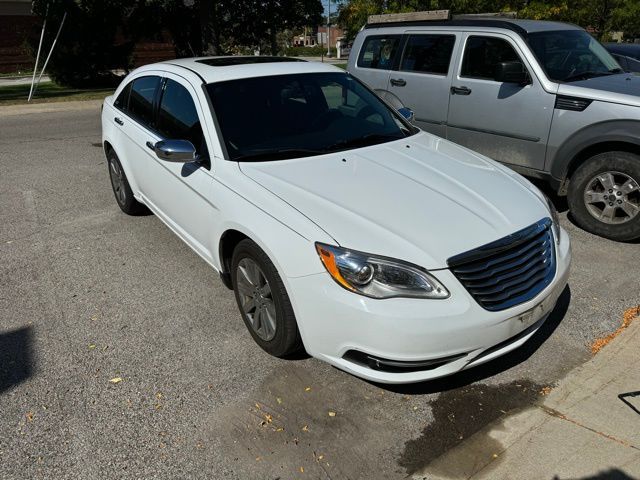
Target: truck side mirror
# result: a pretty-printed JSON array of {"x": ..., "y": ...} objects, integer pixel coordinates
[{"x": 512, "y": 72}]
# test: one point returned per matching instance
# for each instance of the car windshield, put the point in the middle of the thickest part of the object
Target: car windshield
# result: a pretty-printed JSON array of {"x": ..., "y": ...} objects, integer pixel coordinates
[
  {"x": 570, "y": 55},
  {"x": 295, "y": 115}
]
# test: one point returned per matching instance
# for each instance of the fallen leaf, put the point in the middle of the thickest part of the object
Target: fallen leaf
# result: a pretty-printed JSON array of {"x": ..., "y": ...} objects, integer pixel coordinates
[
  {"x": 158, "y": 395},
  {"x": 92, "y": 346},
  {"x": 301, "y": 469},
  {"x": 279, "y": 400},
  {"x": 279, "y": 429},
  {"x": 307, "y": 389},
  {"x": 115, "y": 380},
  {"x": 332, "y": 414},
  {"x": 495, "y": 455},
  {"x": 29, "y": 416},
  {"x": 268, "y": 418},
  {"x": 545, "y": 391},
  {"x": 305, "y": 428}
]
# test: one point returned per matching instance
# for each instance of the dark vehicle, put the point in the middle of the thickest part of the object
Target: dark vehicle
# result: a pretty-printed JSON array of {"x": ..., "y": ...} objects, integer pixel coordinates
[{"x": 627, "y": 55}]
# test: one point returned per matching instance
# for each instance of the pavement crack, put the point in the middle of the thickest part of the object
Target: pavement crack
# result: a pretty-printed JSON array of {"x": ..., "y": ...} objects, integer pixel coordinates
[{"x": 555, "y": 413}]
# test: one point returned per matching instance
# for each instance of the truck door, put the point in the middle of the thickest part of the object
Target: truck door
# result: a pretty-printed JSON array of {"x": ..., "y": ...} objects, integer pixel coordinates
[
  {"x": 424, "y": 76},
  {"x": 508, "y": 122},
  {"x": 375, "y": 60}
]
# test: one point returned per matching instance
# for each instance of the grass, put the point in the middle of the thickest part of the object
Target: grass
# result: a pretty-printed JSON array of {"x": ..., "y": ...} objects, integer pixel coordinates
[
  {"x": 49, "y": 92},
  {"x": 341, "y": 65}
]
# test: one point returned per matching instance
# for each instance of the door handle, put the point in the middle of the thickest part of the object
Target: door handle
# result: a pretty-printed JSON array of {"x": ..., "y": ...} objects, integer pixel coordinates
[
  {"x": 460, "y": 91},
  {"x": 398, "y": 82},
  {"x": 118, "y": 120},
  {"x": 151, "y": 146}
]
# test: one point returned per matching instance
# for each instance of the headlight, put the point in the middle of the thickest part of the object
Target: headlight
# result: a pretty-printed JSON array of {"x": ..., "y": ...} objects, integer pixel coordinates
[
  {"x": 378, "y": 277},
  {"x": 555, "y": 220}
]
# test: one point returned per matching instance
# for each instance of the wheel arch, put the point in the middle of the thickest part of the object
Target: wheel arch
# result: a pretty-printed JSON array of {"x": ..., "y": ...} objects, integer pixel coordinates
[
  {"x": 226, "y": 245},
  {"x": 107, "y": 147},
  {"x": 600, "y": 138}
]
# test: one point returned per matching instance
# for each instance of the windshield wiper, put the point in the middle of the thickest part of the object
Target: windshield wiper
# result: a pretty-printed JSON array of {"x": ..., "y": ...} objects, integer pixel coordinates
[
  {"x": 587, "y": 74},
  {"x": 277, "y": 154},
  {"x": 365, "y": 140}
]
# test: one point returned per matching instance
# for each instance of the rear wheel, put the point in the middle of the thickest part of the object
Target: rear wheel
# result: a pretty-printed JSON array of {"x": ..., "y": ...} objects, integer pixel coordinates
[
  {"x": 263, "y": 301},
  {"x": 121, "y": 189},
  {"x": 604, "y": 195}
]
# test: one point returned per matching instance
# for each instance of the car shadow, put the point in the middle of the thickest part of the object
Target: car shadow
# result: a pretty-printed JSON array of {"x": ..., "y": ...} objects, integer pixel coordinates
[
  {"x": 560, "y": 202},
  {"x": 493, "y": 367},
  {"x": 612, "y": 474},
  {"x": 16, "y": 357}
]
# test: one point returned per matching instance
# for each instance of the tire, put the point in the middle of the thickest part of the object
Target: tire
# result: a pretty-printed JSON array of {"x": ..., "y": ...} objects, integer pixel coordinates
[
  {"x": 604, "y": 195},
  {"x": 121, "y": 188},
  {"x": 275, "y": 329}
]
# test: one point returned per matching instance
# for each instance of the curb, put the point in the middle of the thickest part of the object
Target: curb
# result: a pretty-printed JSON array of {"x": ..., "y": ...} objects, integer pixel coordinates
[{"x": 585, "y": 417}]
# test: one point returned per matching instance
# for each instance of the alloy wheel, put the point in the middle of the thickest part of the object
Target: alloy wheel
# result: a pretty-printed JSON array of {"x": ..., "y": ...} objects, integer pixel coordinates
[
  {"x": 255, "y": 298},
  {"x": 612, "y": 197},
  {"x": 117, "y": 180}
]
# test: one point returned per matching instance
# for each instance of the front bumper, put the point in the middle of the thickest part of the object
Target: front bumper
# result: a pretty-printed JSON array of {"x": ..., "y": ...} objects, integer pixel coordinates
[{"x": 454, "y": 334}]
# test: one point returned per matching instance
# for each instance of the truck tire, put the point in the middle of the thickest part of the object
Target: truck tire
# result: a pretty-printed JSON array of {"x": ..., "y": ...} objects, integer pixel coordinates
[{"x": 604, "y": 195}]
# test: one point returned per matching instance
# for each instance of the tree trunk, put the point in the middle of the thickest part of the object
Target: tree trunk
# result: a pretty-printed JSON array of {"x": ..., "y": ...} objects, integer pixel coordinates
[{"x": 208, "y": 24}]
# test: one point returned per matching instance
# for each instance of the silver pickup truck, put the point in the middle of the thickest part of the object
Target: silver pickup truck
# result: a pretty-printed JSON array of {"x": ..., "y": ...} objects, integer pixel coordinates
[{"x": 545, "y": 98}]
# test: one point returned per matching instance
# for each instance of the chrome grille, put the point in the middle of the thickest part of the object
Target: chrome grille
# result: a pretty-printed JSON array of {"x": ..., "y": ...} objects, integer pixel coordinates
[{"x": 509, "y": 271}]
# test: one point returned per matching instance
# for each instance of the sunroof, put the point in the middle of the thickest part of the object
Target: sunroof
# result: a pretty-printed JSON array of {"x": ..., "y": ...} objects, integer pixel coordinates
[{"x": 230, "y": 61}]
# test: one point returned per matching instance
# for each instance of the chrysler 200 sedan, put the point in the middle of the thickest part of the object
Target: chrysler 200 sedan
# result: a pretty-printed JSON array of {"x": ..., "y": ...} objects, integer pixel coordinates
[{"x": 343, "y": 230}]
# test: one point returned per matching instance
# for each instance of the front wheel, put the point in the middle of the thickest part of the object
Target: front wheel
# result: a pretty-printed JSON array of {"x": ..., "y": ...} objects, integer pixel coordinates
[
  {"x": 604, "y": 195},
  {"x": 263, "y": 301}
]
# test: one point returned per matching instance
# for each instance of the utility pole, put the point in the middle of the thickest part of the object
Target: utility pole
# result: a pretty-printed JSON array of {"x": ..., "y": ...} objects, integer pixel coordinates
[{"x": 328, "y": 31}]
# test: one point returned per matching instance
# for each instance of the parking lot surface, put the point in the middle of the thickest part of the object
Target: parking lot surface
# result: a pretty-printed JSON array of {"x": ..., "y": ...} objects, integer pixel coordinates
[{"x": 122, "y": 355}]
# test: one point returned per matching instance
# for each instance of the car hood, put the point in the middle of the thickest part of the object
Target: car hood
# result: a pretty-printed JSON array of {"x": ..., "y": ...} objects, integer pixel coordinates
[
  {"x": 422, "y": 199},
  {"x": 620, "y": 88}
]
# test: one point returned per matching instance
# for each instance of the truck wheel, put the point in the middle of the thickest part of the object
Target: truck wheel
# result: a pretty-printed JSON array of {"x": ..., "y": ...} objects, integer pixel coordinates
[{"x": 604, "y": 195}]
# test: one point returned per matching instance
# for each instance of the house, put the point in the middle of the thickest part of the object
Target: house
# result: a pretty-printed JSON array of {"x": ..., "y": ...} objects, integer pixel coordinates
[{"x": 16, "y": 24}]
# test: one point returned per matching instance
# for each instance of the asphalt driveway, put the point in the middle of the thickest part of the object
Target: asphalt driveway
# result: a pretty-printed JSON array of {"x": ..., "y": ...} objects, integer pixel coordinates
[{"x": 122, "y": 355}]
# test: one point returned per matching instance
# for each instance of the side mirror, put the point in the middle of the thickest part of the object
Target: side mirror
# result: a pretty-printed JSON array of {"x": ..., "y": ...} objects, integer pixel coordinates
[
  {"x": 406, "y": 113},
  {"x": 512, "y": 72},
  {"x": 178, "y": 151}
]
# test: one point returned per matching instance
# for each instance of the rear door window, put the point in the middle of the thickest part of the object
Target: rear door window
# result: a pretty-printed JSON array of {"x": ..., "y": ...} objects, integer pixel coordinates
[
  {"x": 141, "y": 98},
  {"x": 428, "y": 54},
  {"x": 379, "y": 51}
]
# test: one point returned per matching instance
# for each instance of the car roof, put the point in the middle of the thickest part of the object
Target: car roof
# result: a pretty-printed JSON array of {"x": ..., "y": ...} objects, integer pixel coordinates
[
  {"x": 522, "y": 27},
  {"x": 219, "y": 69}
]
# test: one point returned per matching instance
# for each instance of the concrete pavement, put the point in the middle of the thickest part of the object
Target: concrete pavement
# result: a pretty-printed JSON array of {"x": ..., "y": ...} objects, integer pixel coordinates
[
  {"x": 588, "y": 427},
  {"x": 88, "y": 294}
]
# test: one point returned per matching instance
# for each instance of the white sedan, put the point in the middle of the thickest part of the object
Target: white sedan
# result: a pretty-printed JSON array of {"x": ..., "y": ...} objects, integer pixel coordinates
[{"x": 343, "y": 230}]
